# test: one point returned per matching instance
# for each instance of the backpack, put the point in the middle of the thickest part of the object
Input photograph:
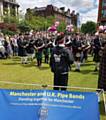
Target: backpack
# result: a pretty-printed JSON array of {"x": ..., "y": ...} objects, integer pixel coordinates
[{"x": 59, "y": 61}]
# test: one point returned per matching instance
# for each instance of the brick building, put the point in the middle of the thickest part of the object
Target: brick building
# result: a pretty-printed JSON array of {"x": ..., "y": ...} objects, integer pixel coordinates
[
  {"x": 59, "y": 13},
  {"x": 102, "y": 12},
  {"x": 8, "y": 8}
]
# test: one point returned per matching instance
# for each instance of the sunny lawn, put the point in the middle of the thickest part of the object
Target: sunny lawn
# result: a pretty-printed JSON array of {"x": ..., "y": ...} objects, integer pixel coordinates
[{"x": 11, "y": 70}]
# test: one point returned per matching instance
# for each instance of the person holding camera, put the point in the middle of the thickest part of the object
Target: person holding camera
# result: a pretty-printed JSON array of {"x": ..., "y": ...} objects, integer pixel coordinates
[{"x": 60, "y": 61}]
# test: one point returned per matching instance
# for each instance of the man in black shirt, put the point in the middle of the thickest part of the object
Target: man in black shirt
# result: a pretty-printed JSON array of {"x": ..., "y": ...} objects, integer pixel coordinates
[
  {"x": 77, "y": 49},
  {"x": 96, "y": 49},
  {"x": 60, "y": 61}
]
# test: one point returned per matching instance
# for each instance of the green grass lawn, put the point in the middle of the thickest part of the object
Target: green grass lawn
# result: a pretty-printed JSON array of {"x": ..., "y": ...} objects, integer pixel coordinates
[{"x": 11, "y": 70}]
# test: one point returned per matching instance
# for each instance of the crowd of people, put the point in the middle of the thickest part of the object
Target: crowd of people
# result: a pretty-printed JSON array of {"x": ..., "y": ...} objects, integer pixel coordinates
[
  {"x": 29, "y": 46},
  {"x": 39, "y": 43}
]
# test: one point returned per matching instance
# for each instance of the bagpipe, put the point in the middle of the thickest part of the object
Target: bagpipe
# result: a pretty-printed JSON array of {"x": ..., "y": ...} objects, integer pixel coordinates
[
  {"x": 43, "y": 46},
  {"x": 81, "y": 49},
  {"x": 101, "y": 51},
  {"x": 85, "y": 47}
]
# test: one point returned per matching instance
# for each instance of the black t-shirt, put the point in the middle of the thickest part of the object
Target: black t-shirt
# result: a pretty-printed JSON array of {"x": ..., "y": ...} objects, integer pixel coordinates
[{"x": 60, "y": 60}]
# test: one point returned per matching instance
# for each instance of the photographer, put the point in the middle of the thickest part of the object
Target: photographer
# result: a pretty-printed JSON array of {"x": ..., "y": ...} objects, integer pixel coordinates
[{"x": 60, "y": 61}]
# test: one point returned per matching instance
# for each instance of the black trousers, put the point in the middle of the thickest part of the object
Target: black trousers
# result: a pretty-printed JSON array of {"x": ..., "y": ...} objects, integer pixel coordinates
[
  {"x": 47, "y": 59},
  {"x": 60, "y": 80},
  {"x": 39, "y": 62}
]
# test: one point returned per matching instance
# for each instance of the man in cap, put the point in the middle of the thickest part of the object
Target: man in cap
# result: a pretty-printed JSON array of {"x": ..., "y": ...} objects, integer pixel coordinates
[{"x": 60, "y": 62}]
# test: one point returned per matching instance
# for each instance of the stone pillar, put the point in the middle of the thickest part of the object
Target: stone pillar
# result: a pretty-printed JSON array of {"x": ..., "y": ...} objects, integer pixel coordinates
[
  {"x": 16, "y": 11},
  {"x": 8, "y": 10},
  {"x": 1, "y": 11}
]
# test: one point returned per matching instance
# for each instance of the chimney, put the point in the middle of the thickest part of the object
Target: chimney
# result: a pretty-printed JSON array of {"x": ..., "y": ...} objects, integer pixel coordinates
[
  {"x": 63, "y": 9},
  {"x": 68, "y": 11},
  {"x": 73, "y": 13}
]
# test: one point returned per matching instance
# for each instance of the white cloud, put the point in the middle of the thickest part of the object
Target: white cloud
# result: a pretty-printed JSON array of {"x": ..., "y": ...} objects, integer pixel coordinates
[
  {"x": 82, "y": 3},
  {"x": 90, "y": 16},
  {"x": 24, "y": 4},
  {"x": 87, "y": 8},
  {"x": 31, "y": 3},
  {"x": 79, "y": 5}
]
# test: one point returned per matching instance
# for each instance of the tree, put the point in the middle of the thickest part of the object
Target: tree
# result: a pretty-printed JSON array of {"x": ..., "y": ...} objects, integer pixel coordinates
[
  {"x": 10, "y": 22},
  {"x": 49, "y": 21},
  {"x": 38, "y": 22},
  {"x": 88, "y": 27},
  {"x": 62, "y": 27},
  {"x": 11, "y": 19},
  {"x": 23, "y": 26},
  {"x": 8, "y": 32}
]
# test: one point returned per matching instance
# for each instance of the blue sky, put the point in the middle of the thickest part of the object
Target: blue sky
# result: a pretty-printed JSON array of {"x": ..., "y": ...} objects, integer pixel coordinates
[{"x": 88, "y": 9}]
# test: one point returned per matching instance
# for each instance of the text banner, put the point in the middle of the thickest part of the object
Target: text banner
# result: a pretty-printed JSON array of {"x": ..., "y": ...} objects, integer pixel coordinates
[{"x": 48, "y": 105}]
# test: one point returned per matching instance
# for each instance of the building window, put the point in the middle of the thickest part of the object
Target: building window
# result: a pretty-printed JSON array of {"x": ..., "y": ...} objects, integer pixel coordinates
[
  {"x": 12, "y": 1},
  {"x": 104, "y": 3},
  {"x": 104, "y": 13}
]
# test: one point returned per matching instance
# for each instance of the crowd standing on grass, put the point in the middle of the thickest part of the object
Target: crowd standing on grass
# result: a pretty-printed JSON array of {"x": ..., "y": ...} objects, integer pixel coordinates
[
  {"x": 39, "y": 44},
  {"x": 36, "y": 45}
]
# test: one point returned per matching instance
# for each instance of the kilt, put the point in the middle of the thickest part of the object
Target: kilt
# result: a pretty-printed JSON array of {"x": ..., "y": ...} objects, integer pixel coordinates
[
  {"x": 77, "y": 56},
  {"x": 96, "y": 58},
  {"x": 39, "y": 55},
  {"x": 102, "y": 71},
  {"x": 22, "y": 52}
]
